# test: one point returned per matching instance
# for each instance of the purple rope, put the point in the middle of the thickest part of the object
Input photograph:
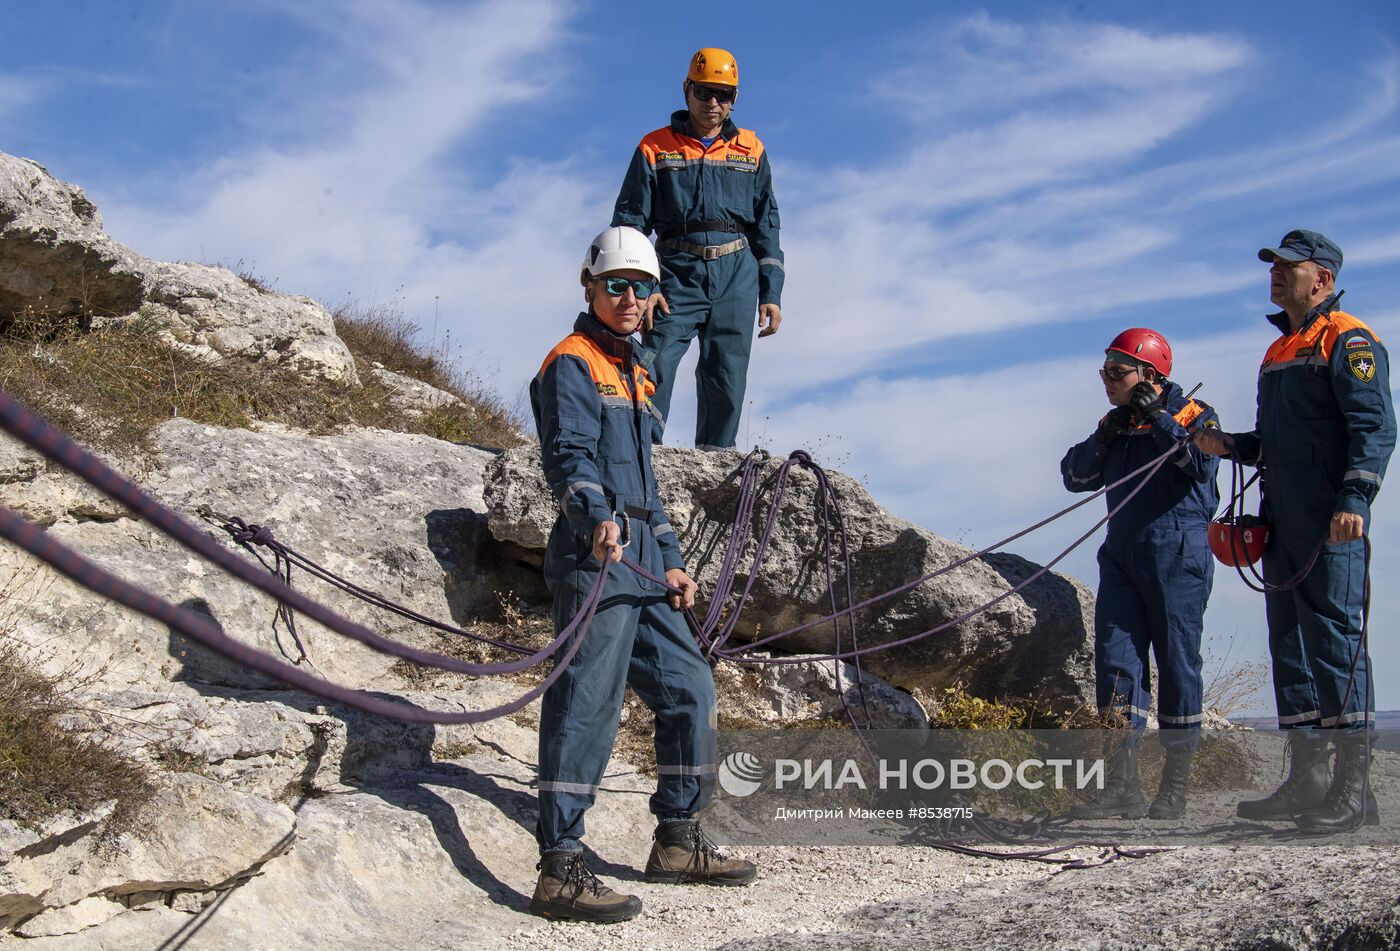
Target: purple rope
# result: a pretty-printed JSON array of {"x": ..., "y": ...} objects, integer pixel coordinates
[
  {"x": 206, "y": 631},
  {"x": 29, "y": 428},
  {"x": 249, "y": 535},
  {"x": 1150, "y": 467}
]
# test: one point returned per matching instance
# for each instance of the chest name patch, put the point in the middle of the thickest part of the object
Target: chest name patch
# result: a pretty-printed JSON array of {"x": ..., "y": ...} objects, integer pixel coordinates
[
  {"x": 1362, "y": 364},
  {"x": 606, "y": 389}
]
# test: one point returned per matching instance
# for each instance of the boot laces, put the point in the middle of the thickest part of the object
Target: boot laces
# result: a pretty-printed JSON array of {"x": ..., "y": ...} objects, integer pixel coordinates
[
  {"x": 578, "y": 875},
  {"x": 703, "y": 849}
]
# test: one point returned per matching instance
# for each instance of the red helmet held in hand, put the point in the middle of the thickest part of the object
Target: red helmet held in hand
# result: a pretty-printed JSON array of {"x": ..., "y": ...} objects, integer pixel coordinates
[
  {"x": 1146, "y": 346},
  {"x": 1239, "y": 541}
]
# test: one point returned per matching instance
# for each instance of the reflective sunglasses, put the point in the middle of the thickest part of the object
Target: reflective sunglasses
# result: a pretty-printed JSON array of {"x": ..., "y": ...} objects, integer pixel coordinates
[
  {"x": 1118, "y": 372},
  {"x": 706, "y": 93},
  {"x": 617, "y": 286}
]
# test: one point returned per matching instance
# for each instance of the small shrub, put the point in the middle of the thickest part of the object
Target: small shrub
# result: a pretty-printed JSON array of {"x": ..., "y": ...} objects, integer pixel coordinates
[
  {"x": 110, "y": 385},
  {"x": 47, "y": 766}
]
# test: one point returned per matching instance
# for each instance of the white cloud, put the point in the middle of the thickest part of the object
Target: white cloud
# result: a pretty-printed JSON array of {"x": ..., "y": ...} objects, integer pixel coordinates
[
  {"x": 17, "y": 93},
  {"x": 982, "y": 64}
]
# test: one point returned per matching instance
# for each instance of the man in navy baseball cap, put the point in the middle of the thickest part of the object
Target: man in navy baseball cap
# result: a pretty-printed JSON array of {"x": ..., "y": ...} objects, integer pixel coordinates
[{"x": 1302, "y": 245}]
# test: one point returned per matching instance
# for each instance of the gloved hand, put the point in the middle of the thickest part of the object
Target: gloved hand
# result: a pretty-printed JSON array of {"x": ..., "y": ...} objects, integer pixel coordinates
[
  {"x": 1147, "y": 402},
  {"x": 1118, "y": 422}
]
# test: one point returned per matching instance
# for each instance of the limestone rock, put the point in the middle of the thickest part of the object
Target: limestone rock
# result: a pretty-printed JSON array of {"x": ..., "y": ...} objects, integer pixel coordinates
[
  {"x": 798, "y": 691},
  {"x": 1035, "y": 643},
  {"x": 415, "y": 396},
  {"x": 199, "y": 835},
  {"x": 56, "y": 258},
  {"x": 391, "y": 512}
]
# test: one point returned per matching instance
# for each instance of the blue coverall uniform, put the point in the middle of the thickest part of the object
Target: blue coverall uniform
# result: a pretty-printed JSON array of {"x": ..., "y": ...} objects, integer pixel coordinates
[
  {"x": 1155, "y": 567},
  {"x": 1323, "y": 436},
  {"x": 706, "y": 196},
  {"x": 594, "y": 418}
]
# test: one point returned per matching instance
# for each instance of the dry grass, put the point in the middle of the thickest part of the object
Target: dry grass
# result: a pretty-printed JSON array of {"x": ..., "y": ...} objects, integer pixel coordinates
[
  {"x": 384, "y": 336},
  {"x": 110, "y": 387},
  {"x": 49, "y": 767}
]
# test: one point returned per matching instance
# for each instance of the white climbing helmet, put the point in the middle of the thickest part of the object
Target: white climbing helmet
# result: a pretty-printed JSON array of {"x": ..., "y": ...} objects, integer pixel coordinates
[{"x": 620, "y": 249}]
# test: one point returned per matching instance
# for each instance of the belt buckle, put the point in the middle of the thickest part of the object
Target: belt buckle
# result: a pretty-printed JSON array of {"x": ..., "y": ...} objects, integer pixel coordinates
[{"x": 711, "y": 251}]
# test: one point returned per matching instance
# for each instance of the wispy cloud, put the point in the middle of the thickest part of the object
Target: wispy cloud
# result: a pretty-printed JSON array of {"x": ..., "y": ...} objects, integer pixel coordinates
[{"x": 16, "y": 93}]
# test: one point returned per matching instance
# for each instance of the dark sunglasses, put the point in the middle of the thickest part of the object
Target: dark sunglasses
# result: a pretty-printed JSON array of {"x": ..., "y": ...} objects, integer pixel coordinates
[
  {"x": 617, "y": 286},
  {"x": 706, "y": 93},
  {"x": 1117, "y": 373}
]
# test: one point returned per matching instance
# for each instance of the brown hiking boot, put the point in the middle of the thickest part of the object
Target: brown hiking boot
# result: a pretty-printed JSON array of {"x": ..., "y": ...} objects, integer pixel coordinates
[
  {"x": 683, "y": 853},
  {"x": 567, "y": 889}
]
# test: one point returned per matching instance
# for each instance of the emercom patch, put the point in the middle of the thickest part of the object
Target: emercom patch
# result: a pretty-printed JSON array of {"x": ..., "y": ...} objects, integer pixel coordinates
[{"x": 1362, "y": 364}]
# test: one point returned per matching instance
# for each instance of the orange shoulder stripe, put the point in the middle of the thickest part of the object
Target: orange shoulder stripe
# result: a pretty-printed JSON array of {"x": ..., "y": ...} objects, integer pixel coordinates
[
  {"x": 1317, "y": 341},
  {"x": 600, "y": 368}
]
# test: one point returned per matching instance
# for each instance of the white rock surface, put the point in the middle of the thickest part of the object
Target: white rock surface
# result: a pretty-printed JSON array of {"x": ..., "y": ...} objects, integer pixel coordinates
[{"x": 55, "y": 257}]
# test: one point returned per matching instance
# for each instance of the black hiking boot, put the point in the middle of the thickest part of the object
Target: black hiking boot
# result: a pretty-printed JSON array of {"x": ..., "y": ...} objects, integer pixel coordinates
[
  {"x": 683, "y": 853},
  {"x": 1170, "y": 802},
  {"x": 1305, "y": 787},
  {"x": 567, "y": 889},
  {"x": 1349, "y": 802},
  {"x": 1121, "y": 797}
]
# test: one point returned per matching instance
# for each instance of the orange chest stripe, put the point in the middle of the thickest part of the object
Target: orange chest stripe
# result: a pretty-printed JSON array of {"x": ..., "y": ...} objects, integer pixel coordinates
[
  {"x": 604, "y": 370},
  {"x": 1316, "y": 341}
]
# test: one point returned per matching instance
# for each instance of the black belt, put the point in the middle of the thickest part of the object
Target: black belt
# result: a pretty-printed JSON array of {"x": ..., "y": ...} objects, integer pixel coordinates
[{"x": 693, "y": 227}]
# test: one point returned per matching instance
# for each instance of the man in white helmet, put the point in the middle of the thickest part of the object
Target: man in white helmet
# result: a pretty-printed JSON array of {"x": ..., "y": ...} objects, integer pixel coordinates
[{"x": 593, "y": 413}]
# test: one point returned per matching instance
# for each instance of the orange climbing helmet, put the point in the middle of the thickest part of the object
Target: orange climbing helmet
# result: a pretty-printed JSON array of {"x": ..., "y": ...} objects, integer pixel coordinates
[{"x": 714, "y": 66}]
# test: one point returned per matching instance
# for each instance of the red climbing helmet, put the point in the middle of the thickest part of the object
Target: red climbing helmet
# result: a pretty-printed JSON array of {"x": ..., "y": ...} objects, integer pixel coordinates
[
  {"x": 1147, "y": 346},
  {"x": 1239, "y": 541}
]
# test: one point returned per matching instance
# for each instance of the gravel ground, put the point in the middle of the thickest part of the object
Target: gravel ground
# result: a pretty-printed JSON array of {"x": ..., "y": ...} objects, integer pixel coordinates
[{"x": 896, "y": 898}]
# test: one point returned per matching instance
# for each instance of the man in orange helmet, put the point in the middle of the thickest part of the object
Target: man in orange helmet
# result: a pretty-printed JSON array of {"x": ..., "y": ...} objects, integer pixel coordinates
[
  {"x": 1155, "y": 567},
  {"x": 705, "y": 187}
]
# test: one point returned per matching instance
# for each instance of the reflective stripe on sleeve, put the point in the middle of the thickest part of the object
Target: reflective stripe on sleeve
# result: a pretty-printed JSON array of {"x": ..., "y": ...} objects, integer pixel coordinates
[
  {"x": 1363, "y": 476},
  {"x": 774, "y": 262},
  {"x": 573, "y": 487},
  {"x": 663, "y": 529}
]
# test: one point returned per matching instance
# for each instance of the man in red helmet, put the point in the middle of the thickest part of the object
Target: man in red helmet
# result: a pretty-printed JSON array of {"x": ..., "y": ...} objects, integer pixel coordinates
[{"x": 1155, "y": 567}]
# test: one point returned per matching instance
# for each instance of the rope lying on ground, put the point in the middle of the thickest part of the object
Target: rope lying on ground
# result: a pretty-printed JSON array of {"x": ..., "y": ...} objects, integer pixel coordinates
[{"x": 29, "y": 428}]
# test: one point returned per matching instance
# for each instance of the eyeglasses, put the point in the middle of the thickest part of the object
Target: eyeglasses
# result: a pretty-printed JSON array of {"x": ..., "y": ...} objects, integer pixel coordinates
[
  {"x": 706, "y": 93},
  {"x": 617, "y": 286},
  {"x": 1117, "y": 373}
]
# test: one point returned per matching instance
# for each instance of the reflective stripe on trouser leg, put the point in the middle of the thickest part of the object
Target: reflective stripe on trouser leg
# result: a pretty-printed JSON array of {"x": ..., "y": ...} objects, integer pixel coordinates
[
  {"x": 674, "y": 681},
  {"x": 1120, "y": 643},
  {"x": 721, "y": 374},
  {"x": 580, "y": 711}
]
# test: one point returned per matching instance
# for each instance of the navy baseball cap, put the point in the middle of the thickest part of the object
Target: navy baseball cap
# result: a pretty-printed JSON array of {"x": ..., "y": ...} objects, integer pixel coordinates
[{"x": 1305, "y": 246}]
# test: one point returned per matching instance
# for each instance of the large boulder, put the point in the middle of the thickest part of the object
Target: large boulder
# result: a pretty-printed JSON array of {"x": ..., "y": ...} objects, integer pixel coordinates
[
  {"x": 1036, "y": 643},
  {"x": 55, "y": 258}
]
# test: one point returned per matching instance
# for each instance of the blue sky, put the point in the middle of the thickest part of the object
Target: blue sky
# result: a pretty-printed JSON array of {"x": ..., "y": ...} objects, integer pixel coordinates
[{"x": 975, "y": 199}]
